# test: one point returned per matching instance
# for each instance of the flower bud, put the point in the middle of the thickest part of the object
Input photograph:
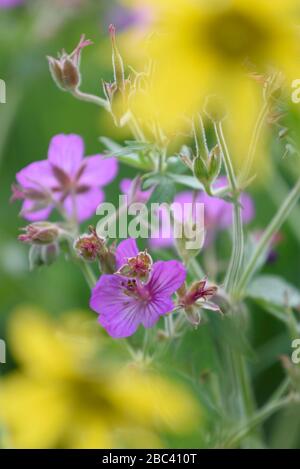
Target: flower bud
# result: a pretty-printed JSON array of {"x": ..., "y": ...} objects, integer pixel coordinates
[
  {"x": 49, "y": 253},
  {"x": 40, "y": 255},
  {"x": 201, "y": 170},
  {"x": 215, "y": 163},
  {"x": 90, "y": 246},
  {"x": 118, "y": 65},
  {"x": 65, "y": 70},
  {"x": 40, "y": 233}
]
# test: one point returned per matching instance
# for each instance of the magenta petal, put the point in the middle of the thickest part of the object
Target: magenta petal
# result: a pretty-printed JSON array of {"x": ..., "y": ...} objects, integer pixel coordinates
[
  {"x": 167, "y": 277},
  {"x": 86, "y": 203},
  {"x": 30, "y": 214},
  {"x": 125, "y": 185},
  {"x": 98, "y": 171},
  {"x": 120, "y": 314},
  {"x": 37, "y": 175},
  {"x": 66, "y": 152},
  {"x": 126, "y": 248},
  {"x": 159, "y": 305}
]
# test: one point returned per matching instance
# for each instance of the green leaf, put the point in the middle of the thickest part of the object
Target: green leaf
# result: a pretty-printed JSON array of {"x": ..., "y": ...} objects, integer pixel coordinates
[
  {"x": 184, "y": 180},
  {"x": 126, "y": 154},
  {"x": 274, "y": 290},
  {"x": 164, "y": 190}
]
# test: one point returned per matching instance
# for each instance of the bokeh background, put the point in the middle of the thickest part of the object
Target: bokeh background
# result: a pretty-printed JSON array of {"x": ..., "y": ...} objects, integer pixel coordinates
[{"x": 35, "y": 111}]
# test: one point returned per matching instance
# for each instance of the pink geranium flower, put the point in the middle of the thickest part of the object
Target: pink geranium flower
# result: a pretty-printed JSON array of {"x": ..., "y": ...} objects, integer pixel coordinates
[
  {"x": 217, "y": 214},
  {"x": 124, "y": 303},
  {"x": 66, "y": 179}
]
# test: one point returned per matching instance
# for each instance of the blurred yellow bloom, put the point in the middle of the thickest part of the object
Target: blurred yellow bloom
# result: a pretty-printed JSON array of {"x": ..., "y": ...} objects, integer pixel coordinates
[
  {"x": 61, "y": 396},
  {"x": 201, "y": 48}
]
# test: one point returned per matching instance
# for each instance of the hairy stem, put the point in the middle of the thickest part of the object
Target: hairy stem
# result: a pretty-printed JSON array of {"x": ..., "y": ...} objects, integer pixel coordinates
[
  {"x": 236, "y": 259},
  {"x": 88, "y": 274},
  {"x": 91, "y": 98}
]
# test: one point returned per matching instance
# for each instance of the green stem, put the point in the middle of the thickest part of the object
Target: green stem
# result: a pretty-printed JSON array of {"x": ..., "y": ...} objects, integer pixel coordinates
[
  {"x": 282, "y": 190},
  {"x": 196, "y": 269},
  {"x": 88, "y": 273},
  {"x": 266, "y": 238},
  {"x": 90, "y": 98},
  {"x": 254, "y": 141},
  {"x": 259, "y": 418},
  {"x": 236, "y": 259},
  {"x": 259, "y": 125},
  {"x": 239, "y": 379}
]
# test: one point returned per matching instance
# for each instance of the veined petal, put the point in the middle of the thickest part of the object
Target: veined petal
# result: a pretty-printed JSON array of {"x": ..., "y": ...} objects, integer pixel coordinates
[
  {"x": 166, "y": 278},
  {"x": 66, "y": 152},
  {"x": 86, "y": 203},
  {"x": 157, "y": 307},
  {"x": 126, "y": 248},
  {"x": 120, "y": 314},
  {"x": 98, "y": 171}
]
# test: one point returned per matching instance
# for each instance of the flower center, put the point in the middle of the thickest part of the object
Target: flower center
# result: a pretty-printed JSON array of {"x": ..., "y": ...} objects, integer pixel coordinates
[
  {"x": 68, "y": 184},
  {"x": 235, "y": 36},
  {"x": 135, "y": 289}
]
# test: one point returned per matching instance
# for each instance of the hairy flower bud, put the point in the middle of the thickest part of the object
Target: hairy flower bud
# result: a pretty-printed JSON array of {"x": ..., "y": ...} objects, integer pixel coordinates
[
  {"x": 40, "y": 233},
  {"x": 65, "y": 70},
  {"x": 90, "y": 246},
  {"x": 40, "y": 255},
  {"x": 215, "y": 163},
  {"x": 117, "y": 93},
  {"x": 118, "y": 65},
  {"x": 201, "y": 170}
]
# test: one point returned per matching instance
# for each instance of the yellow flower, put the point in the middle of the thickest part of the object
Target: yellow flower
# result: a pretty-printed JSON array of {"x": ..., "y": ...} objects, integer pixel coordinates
[
  {"x": 202, "y": 47},
  {"x": 63, "y": 395}
]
